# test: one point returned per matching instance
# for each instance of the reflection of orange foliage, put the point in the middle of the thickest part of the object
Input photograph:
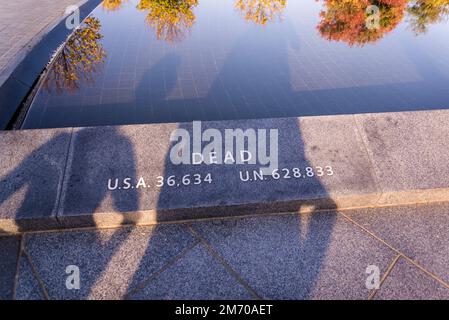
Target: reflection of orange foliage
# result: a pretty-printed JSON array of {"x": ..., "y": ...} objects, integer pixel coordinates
[
  {"x": 78, "y": 58},
  {"x": 261, "y": 11},
  {"x": 425, "y": 12},
  {"x": 393, "y": 3},
  {"x": 170, "y": 18},
  {"x": 111, "y": 5},
  {"x": 346, "y": 20}
]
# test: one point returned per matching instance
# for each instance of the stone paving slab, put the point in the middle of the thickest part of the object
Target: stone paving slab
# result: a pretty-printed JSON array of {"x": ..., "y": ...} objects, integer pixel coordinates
[
  {"x": 409, "y": 152},
  {"x": 32, "y": 167},
  {"x": 99, "y": 156},
  {"x": 111, "y": 262},
  {"x": 28, "y": 287},
  {"x": 9, "y": 252},
  {"x": 420, "y": 232},
  {"x": 307, "y": 256},
  {"x": 197, "y": 276},
  {"x": 407, "y": 282}
]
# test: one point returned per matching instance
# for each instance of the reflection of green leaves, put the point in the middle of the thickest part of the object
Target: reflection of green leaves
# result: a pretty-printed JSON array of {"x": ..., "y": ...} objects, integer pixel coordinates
[
  {"x": 422, "y": 13},
  {"x": 261, "y": 11},
  {"x": 170, "y": 18},
  {"x": 79, "y": 57}
]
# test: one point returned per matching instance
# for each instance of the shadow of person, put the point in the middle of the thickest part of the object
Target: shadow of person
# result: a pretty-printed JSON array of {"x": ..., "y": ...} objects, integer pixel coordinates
[
  {"x": 40, "y": 175},
  {"x": 226, "y": 193},
  {"x": 235, "y": 189},
  {"x": 217, "y": 190},
  {"x": 95, "y": 154},
  {"x": 103, "y": 153},
  {"x": 29, "y": 191}
]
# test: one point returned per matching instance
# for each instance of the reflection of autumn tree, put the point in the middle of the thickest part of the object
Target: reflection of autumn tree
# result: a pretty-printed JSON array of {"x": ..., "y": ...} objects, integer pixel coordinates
[
  {"x": 346, "y": 20},
  {"x": 261, "y": 11},
  {"x": 79, "y": 57},
  {"x": 112, "y": 5},
  {"x": 425, "y": 12},
  {"x": 170, "y": 18}
]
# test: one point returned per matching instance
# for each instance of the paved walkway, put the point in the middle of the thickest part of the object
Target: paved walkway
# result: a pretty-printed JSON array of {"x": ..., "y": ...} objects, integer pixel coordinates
[
  {"x": 319, "y": 256},
  {"x": 22, "y": 22}
]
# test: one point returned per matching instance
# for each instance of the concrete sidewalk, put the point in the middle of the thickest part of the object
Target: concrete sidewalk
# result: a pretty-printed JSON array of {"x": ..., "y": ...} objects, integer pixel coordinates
[
  {"x": 309, "y": 256},
  {"x": 22, "y": 23}
]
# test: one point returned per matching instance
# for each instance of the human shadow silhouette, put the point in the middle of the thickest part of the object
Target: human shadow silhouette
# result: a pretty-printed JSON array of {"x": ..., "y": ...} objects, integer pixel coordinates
[
  {"x": 228, "y": 195},
  {"x": 94, "y": 154},
  {"x": 250, "y": 197},
  {"x": 41, "y": 173},
  {"x": 29, "y": 191}
]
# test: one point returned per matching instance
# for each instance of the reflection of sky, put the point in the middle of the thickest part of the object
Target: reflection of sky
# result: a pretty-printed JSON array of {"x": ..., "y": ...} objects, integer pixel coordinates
[
  {"x": 225, "y": 60},
  {"x": 314, "y": 63}
]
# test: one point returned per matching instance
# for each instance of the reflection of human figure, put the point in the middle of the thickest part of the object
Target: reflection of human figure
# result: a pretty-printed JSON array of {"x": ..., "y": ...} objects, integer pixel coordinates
[
  {"x": 261, "y": 11},
  {"x": 347, "y": 20},
  {"x": 153, "y": 89},
  {"x": 170, "y": 18},
  {"x": 78, "y": 59},
  {"x": 267, "y": 91}
]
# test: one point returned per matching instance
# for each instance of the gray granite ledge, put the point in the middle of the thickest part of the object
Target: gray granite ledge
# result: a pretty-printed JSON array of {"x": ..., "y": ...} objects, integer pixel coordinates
[{"x": 61, "y": 178}]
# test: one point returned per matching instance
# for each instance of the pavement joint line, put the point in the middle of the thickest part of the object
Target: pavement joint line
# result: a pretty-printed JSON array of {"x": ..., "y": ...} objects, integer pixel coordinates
[
  {"x": 225, "y": 264},
  {"x": 384, "y": 277},
  {"x": 370, "y": 160},
  {"x": 61, "y": 186},
  {"x": 370, "y": 233},
  {"x": 36, "y": 274},
  {"x": 416, "y": 264},
  {"x": 427, "y": 272},
  {"x": 246, "y": 216},
  {"x": 16, "y": 275},
  {"x": 141, "y": 285}
]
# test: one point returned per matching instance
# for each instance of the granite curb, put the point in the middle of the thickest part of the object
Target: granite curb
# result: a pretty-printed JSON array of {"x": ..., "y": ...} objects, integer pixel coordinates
[{"x": 62, "y": 178}]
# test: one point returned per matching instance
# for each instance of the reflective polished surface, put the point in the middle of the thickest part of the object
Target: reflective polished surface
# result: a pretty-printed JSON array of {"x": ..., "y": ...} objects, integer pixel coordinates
[{"x": 152, "y": 61}]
